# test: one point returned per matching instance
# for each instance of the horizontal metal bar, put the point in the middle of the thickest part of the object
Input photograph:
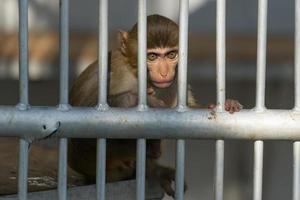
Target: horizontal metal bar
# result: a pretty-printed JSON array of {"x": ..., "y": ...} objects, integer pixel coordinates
[{"x": 39, "y": 122}]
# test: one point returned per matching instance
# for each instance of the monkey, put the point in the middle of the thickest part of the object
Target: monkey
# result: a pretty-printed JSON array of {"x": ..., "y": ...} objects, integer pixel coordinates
[{"x": 162, "y": 61}]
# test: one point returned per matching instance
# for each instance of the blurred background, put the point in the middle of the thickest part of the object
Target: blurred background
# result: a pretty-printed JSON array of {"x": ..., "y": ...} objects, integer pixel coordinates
[{"x": 241, "y": 27}]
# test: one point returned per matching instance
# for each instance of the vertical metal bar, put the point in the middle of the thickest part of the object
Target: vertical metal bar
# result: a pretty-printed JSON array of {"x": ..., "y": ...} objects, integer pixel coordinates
[
  {"x": 296, "y": 176},
  {"x": 23, "y": 52},
  {"x": 219, "y": 170},
  {"x": 183, "y": 51},
  {"x": 23, "y": 169},
  {"x": 221, "y": 48},
  {"x": 103, "y": 52},
  {"x": 180, "y": 158},
  {"x": 142, "y": 53},
  {"x": 260, "y": 94},
  {"x": 261, "y": 54},
  {"x": 23, "y": 92},
  {"x": 140, "y": 172},
  {"x": 142, "y": 75},
  {"x": 62, "y": 169},
  {"x": 258, "y": 170},
  {"x": 64, "y": 97},
  {"x": 182, "y": 93},
  {"x": 297, "y": 57},
  {"x": 221, "y": 89},
  {"x": 102, "y": 95},
  {"x": 296, "y": 145},
  {"x": 101, "y": 166}
]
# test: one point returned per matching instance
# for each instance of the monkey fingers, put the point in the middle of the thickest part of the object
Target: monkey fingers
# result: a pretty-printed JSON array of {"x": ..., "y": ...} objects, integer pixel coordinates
[{"x": 232, "y": 106}]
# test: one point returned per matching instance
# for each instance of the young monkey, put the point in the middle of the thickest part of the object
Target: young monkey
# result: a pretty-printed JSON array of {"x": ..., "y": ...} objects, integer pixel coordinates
[{"x": 162, "y": 61}]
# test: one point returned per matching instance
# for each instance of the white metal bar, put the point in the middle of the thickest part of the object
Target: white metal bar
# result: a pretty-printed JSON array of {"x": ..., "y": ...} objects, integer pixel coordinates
[
  {"x": 180, "y": 158},
  {"x": 90, "y": 123},
  {"x": 221, "y": 95},
  {"x": 297, "y": 57},
  {"x": 261, "y": 54},
  {"x": 296, "y": 175},
  {"x": 221, "y": 59},
  {"x": 103, "y": 52},
  {"x": 258, "y": 170},
  {"x": 23, "y": 169},
  {"x": 183, "y": 52},
  {"x": 102, "y": 95},
  {"x": 142, "y": 53},
  {"x": 219, "y": 170},
  {"x": 142, "y": 90}
]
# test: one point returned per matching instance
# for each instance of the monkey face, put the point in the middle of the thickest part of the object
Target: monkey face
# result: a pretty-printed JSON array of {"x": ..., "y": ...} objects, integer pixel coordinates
[{"x": 162, "y": 64}]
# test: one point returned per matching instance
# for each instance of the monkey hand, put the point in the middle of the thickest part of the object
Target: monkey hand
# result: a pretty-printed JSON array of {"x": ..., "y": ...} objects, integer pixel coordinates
[
  {"x": 231, "y": 106},
  {"x": 164, "y": 176}
]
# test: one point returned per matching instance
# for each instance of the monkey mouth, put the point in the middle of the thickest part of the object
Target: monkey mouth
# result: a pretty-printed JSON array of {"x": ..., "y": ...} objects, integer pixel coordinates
[{"x": 162, "y": 84}]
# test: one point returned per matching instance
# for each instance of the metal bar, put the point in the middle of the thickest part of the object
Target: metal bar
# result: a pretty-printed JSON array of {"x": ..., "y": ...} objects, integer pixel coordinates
[
  {"x": 297, "y": 52},
  {"x": 23, "y": 105},
  {"x": 101, "y": 168},
  {"x": 23, "y": 169},
  {"x": 23, "y": 52},
  {"x": 219, "y": 170},
  {"x": 131, "y": 123},
  {"x": 64, "y": 52},
  {"x": 183, "y": 51},
  {"x": 62, "y": 169},
  {"x": 180, "y": 158},
  {"x": 142, "y": 53},
  {"x": 140, "y": 172},
  {"x": 142, "y": 104},
  {"x": 63, "y": 95},
  {"x": 221, "y": 48},
  {"x": 102, "y": 95},
  {"x": 261, "y": 54},
  {"x": 221, "y": 95},
  {"x": 103, "y": 53},
  {"x": 296, "y": 177},
  {"x": 258, "y": 169}
]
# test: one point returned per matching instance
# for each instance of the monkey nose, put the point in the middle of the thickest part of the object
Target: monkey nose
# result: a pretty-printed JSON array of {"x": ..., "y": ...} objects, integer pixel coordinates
[{"x": 164, "y": 75}]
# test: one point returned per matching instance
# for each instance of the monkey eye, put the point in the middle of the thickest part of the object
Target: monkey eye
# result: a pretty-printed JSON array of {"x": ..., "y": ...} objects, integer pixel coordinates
[
  {"x": 172, "y": 54},
  {"x": 151, "y": 56}
]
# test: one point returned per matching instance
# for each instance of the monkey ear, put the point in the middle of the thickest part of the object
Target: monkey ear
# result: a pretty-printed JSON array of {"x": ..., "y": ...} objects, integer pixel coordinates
[{"x": 123, "y": 37}]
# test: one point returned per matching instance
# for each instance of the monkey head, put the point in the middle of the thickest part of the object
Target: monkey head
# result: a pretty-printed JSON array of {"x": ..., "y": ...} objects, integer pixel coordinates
[{"x": 162, "y": 50}]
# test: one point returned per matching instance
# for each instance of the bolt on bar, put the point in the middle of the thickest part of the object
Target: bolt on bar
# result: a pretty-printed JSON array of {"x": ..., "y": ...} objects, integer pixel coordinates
[
  {"x": 102, "y": 95},
  {"x": 64, "y": 95},
  {"x": 221, "y": 89},
  {"x": 142, "y": 104},
  {"x": 260, "y": 95},
  {"x": 23, "y": 87},
  {"x": 182, "y": 93}
]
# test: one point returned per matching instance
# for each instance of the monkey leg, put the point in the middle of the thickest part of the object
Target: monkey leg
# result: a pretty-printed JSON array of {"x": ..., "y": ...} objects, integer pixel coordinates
[{"x": 163, "y": 175}]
